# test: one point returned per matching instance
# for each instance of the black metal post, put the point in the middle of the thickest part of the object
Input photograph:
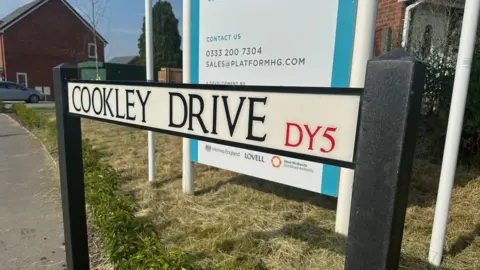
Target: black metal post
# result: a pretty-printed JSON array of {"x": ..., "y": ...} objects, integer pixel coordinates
[
  {"x": 386, "y": 142},
  {"x": 71, "y": 172}
]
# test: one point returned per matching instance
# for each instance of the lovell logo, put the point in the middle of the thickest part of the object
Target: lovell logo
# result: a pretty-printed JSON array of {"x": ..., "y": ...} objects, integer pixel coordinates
[
  {"x": 276, "y": 161},
  {"x": 208, "y": 147},
  {"x": 253, "y": 157}
]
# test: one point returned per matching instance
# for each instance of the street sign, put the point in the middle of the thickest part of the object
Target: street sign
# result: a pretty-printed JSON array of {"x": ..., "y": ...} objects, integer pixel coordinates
[{"x": 316, "y": 124}]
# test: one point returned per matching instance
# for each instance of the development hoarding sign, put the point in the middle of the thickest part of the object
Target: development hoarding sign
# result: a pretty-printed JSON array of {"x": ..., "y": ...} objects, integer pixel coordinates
[
  {"x": 302, "y": 123},
  {"x": 300, "y": 43}
]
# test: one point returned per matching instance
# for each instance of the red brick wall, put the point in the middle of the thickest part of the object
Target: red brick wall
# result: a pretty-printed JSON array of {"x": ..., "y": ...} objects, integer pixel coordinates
[
  {"x": 390, "y": 14},
  {"x": 45, "y": 38}
]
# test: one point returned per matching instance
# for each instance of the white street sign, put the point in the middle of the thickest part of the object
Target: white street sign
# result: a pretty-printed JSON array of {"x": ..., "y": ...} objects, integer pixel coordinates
[{"x": 316, "y": 124}]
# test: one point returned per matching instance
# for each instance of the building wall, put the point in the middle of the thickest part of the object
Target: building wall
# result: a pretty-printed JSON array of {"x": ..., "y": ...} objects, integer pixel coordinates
[
  {"x": 390, "y": 14},
  {"x": 424, "y": 17},
  {"x": 47, "y": 37}
]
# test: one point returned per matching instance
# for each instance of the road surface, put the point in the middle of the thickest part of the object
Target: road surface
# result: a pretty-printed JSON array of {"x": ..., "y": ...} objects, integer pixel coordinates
[{"x": 31, "y": 231}]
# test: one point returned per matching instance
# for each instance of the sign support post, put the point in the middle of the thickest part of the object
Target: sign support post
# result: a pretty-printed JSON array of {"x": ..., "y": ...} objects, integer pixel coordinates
[
  {"x": 362, "y": 52},
  {"x": 71, "y": 173},
  {"x": 454, "y": 130},
  {"x": 386, "y": 139},
  {"x": 188, "y": 167},
  {"x": 149, "y": 67}
]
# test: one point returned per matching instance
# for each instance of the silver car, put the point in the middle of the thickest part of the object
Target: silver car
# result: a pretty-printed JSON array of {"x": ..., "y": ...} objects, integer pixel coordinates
[{"x": 10, "y": 91}]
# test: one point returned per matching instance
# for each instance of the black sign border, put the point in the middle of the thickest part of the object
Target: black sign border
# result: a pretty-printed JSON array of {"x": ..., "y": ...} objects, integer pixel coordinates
[{"x": 245, "y": 88}]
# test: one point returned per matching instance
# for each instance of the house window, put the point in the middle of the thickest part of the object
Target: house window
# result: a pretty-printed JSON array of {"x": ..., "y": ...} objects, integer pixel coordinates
[
  {"x": 92, "y": 50},
  {"x": 427, "y": 41},
  {"x": 22, "y": 79}
]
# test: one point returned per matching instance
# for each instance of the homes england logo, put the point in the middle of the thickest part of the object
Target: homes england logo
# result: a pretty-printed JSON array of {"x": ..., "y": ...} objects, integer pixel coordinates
[{"x": 208, "y": 147}]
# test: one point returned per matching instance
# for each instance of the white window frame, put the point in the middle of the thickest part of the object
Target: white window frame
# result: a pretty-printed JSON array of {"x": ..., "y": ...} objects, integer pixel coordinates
[
  {"x": 26, "y": 78},
  {"x": 94, "y": 51}
]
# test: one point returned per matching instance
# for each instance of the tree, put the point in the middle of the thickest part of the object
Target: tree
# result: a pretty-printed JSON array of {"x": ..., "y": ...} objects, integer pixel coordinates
[
  {"x": 96, "y": 11},
  {"x": 166, "y": 38}
]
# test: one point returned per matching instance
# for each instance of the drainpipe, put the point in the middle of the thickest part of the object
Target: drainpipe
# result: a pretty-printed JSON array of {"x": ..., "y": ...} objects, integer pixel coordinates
[
  {"x": 2, "y": 51},
  {"x": 406, "y": 21}
]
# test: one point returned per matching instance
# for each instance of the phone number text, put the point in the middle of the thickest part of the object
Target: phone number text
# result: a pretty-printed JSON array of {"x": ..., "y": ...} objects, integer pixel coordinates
[{"x": 234, "y": 52}]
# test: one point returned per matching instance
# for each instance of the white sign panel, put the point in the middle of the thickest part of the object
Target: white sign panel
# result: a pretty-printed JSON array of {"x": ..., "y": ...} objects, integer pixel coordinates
[
  {"x": 272, "y": 42},
  {"x": 307, "y": 123},
  {"x": 284, "y": 170}
]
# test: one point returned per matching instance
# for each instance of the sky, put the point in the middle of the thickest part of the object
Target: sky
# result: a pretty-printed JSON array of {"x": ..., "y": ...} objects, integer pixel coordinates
[{"x": 120, "y": 25}]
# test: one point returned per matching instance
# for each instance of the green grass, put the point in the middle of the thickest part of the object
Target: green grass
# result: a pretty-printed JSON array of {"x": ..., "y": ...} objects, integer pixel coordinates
[
  {"x": 2, "y": 106},
  {"x": 44, "y": 108}
]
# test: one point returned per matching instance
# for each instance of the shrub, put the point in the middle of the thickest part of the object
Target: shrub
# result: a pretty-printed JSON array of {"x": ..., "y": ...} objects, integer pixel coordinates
[
  {"x": 470, "y": 144},
  {"x": 439, "y": 79},
  {"x": 28, "y": 116},
  {"x": 437, "y": 98}
]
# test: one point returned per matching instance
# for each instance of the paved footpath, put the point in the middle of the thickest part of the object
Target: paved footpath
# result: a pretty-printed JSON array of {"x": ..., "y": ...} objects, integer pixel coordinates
[{"x": 31, "y": 231}]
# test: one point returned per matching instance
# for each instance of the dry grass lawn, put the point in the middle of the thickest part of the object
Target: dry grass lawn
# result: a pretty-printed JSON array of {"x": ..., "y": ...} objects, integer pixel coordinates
[{"x": 254, "y": 224}]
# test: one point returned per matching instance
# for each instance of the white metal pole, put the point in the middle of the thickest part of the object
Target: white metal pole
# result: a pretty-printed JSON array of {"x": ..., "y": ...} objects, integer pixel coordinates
[
  {"x": 188, "y": 167},
  {"x": 454, "y": 130},
  {"x": 149, "y": 62},
  {"x": 362, "y": 52}
]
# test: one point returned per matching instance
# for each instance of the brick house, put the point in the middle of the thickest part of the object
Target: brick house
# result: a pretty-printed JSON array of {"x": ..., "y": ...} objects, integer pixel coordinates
[
  {"x": 41, "y": 35},
  {"x": 418, "y": 25}
]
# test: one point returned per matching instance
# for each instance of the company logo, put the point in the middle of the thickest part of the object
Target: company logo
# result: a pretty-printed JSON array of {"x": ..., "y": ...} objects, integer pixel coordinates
[
  {"x": 225, "y": 151},
  {"x": 254, "y": 157},
  {"x": 297, "y": 165},
  {"x": 276, "y": 161}
]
